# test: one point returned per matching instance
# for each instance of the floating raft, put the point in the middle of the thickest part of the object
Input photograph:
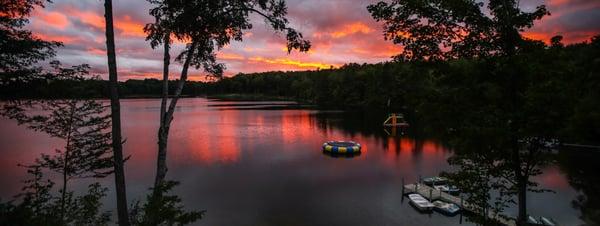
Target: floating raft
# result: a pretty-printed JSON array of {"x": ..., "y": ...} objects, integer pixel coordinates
[{"x": 341, "y": 147}]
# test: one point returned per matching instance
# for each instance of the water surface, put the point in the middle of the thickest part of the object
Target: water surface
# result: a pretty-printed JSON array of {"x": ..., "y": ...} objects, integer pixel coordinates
[{"x": 260, "y": 163}]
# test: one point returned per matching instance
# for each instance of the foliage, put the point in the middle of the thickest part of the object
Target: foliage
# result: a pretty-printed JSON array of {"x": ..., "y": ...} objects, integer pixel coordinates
[
  {"x": 38, "y": 206},
  {"x": 81, "y": 124},
  {"x": 452, "y": 29},
  {"x": 19, "y": 49},
  {"x": 163, "y": 209},
  {"x": 83, "y": 127}
]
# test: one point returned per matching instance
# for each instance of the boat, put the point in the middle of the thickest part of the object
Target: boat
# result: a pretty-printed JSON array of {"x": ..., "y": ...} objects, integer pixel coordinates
[
  {"x": 542, "y": 221},
  {"x": 532, "y": 221},
  {"x": 547, "y": 221},
  {"x": 450, "y": 189},
  {"x": 420, "y": 202},
  {"x": 445, "y": 208},
  {"x": 435, "y": 181}
]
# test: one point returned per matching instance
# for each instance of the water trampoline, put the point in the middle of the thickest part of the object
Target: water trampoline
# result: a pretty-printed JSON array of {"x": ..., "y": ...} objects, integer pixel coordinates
[{"x": 341, "y": 147}]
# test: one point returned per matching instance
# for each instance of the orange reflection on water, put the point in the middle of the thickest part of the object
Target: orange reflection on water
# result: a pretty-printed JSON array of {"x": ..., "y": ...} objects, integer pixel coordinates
[
  {"x": 552, "y": 178},
  {"x": 224, "y": 146},
  {"x": 295, "y": 126}
]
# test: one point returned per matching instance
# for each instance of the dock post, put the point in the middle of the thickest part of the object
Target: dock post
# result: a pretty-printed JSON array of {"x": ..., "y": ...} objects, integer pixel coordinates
[
  {"x": 461, "y": 202},
  {"x": 403, "y": 186},
  {"x": 430, "y": 192}
]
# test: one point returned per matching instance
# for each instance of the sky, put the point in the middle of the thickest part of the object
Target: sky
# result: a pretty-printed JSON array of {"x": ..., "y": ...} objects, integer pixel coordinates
[{"x": 341, "y": 31}]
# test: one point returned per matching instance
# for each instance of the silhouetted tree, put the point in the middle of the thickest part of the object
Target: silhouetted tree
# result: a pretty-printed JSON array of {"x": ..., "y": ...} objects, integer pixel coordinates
[
  {"x": 83, "y": 126},
  {"x": 207, "y": 26},
  {"x": 447, "y": 29},
  {"x": 19, "y": 48},
  {"x": 115, "y": 112},
  {"x": 39, "y": 207},
  {"x": 443, "y": 30},
  {"x": 162, "y": 209}
]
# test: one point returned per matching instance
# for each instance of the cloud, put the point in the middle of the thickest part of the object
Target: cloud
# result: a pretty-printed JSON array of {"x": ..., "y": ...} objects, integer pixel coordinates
[
  {"x": 53, "y": 19},
  {"x": 295, "y": 63},
  {"x": 341, "y": 31}
]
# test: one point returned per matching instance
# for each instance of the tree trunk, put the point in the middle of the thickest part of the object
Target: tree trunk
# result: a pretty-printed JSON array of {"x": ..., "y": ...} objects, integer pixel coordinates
[
  {"x": 520, "y": 179},
  {"x": 522, "y": 199},
  {"x": 167, "y": 115},
  {"x": 163, "y": 132},
  {"x": 73, "y": 105},
  {"x": 179, "y": 88},
  {"x": 115, "y": 110},
  {"x": 64, "y": 185}
]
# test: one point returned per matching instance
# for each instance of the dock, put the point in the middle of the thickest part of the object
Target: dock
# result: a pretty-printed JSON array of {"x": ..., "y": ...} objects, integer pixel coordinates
[{"x": 434, "y": 194}]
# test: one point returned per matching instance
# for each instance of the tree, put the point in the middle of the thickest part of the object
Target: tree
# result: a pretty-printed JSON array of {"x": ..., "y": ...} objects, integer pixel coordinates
[
  {"x": 443, "y": 30},
  {"x": 115, "y": 112},
  {"x": 82, "y": 125},
  {"x": 19, "y": 48},
  {"x": 39, "y": 207},
  {"x": 162, "y": 209},
  {"x": 450, "y": 29},
  {"x": 206, "y": 26}
]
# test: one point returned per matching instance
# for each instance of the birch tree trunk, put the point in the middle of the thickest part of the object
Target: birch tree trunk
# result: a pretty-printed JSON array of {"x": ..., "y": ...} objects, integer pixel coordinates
[{"x": 163, "y": 132}]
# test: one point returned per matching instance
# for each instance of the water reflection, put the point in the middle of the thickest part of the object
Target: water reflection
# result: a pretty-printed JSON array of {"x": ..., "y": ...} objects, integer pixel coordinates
[
  {"x": 263, "y": 162},
  {"x": 341, "y": 155}
]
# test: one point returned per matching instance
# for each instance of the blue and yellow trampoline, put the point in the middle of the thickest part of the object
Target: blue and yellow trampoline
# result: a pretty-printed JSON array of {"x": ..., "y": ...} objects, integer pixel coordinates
[{"x": 341, "y": 147}]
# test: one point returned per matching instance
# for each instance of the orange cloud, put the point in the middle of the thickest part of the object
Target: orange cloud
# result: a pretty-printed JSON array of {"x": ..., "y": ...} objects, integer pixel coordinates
[
  {"x": 348, "y": 29},
  {"x": 568, "y": 37},
  {"x": 299, "y": 64},
  {"x": 59, "y": 38},
  {"x": 88, "y": 17},
  {"x": 128, "y": 27},
  {"x": 557, "y": 2},
  {"x": 96, "y": 51},
  {"x": 229, "y": 56},
  {"x": 53, "y": 19}
]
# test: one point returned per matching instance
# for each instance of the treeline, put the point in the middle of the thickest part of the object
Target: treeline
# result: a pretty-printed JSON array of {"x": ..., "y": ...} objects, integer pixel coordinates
[{"x": 50, "y": 88}]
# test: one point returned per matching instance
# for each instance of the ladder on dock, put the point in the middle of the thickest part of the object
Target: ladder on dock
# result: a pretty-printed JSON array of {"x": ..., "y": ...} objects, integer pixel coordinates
[
  {"x": 434, "y": 194},
  {"x": 395, "y": 119}
]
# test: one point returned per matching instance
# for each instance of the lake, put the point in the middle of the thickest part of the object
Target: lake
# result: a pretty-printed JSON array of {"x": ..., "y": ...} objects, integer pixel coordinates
[{"x": 260, "y": 163}]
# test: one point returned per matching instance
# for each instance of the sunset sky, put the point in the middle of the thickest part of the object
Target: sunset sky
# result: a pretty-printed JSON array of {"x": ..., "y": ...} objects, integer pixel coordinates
[{"x": 341, "y": 31}]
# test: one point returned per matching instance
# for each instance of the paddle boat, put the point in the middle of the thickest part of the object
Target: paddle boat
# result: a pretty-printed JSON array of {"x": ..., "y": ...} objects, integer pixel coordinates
[
  {"x": 548, "y": 221},
  {"x": 450, "y": 189},
  {"x": 420, "y": 203},
  {"x": 449, "y": 209},
  {"x": 542, "y": 221},
  {"x": 432, "y": 181},
  {"x": 532, "y": 221}
]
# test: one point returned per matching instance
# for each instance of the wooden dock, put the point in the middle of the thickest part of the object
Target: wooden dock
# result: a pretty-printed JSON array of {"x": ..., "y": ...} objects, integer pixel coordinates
[{"x": 434, "y": 194}]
